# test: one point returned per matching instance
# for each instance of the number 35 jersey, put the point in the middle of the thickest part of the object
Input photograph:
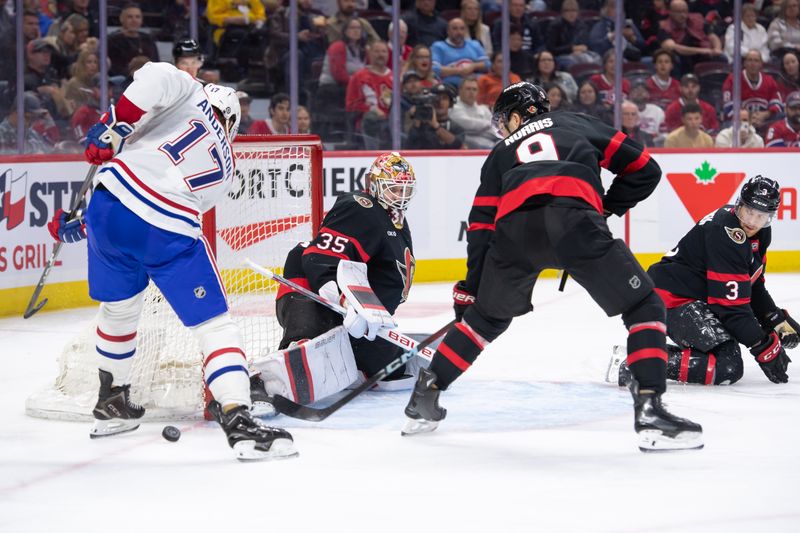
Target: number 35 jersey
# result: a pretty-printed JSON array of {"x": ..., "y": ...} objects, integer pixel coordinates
[
  {"x": 358, "y": 229},
  {"x": 178, "y": 163}
]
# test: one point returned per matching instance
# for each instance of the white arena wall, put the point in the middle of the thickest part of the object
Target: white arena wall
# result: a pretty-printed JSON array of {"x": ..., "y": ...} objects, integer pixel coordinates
[{"x": 693, "y": 184}]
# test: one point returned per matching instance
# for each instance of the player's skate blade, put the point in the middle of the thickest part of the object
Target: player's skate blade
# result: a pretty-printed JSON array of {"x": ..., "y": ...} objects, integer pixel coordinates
[
  {"x": 263, "y": 410},
  {"x": 115, "y": 426},
  {"x": 248, "y": 450},
  {"x": 415, "y": 427},
  {"x": 653, "y": 440}
]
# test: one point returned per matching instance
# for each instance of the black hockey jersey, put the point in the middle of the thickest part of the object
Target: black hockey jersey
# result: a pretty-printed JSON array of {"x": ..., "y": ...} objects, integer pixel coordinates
[
  {"x": 556, "y": 158},
  {"x": 717, "y": 263},
  {"x": 357, "y": 228}
]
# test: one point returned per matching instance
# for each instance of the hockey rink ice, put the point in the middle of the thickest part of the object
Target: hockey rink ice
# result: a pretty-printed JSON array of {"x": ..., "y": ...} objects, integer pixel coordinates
[{"x": 534, "y": 440}]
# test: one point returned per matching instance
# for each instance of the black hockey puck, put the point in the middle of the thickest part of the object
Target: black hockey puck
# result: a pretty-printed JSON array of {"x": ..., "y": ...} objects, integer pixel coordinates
[{"x": 171, "y": 433}]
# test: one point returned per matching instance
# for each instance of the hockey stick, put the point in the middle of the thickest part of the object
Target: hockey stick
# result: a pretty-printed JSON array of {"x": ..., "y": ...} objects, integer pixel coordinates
[
  {"x": 289, "y": 408},
  {"x": 564, "y": 277},
  {"x": 33, "y": 307}
]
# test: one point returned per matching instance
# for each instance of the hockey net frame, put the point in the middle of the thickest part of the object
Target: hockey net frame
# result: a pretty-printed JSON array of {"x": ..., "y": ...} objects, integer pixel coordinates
[{"x": 287, "y": 183}]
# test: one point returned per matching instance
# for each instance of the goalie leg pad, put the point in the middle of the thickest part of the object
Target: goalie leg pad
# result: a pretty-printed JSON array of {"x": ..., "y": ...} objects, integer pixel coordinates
[
  {"x": 115, "y": 336},
  {"x": 311, "y": 371},
  {"x": 225, "y": 364}
]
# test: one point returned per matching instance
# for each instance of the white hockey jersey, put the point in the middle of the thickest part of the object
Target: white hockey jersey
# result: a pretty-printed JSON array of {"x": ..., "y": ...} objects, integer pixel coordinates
[{"x": 178, "y": 163}]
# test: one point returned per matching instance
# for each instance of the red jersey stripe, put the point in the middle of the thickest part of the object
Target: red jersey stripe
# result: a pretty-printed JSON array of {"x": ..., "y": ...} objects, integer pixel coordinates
[
  {"x": 640, "y": 162},
  {"x": 153, "y": 193},
  {"x": 728, "y": 303},
  {"x": 477, "y": 226},
  {"x": 453, "y": 357},
  {"x": 611, "y": 149},
  {"x": 719, "y": 276},
  {"x": 314, "y": 250},
  {"x": 283, "y": 290},
  {"x": 464, "y": 328},
  {"x": 553, "y": 185},
  {"x": 647, "y": 353},
  {"x": 127, "y": 111},
  {"x": 485, "y": 201},
  {"x": 360, "y": 249},
  {"x": 672, "y": 301}
]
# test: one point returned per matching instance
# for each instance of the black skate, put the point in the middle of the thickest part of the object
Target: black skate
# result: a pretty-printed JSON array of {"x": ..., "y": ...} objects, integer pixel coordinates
[
  {"x": 250, "y": 438},
  {"x": 114, "y": 412},
  {"x": 659, "y": 430},
  {"x": 260, "y": 398},
  {"x": 423, "y": 411}
]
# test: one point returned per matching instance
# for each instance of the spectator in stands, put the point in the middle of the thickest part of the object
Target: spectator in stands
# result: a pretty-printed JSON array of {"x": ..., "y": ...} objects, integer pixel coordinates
[
  {"x": 411, "y": 88},
  {"x": 187, "y": 56},
  {"x": 65, "y": 48},
  {"x": 532, "y": 39},
  {"x": 280, "y": 116},
  {"x": 474, "y": 118},
  {"x": 567, "y": 38},
  {"x": 338, "y": 21},
  {"x": 787, "y": 131},
  {"x": 557, "y": 96},
  {"x": 35, "y": 143},
  {"x": 80, "y": 26},
  {"x": 601, "y": 35},
  {"x": 209, "y": 75},
  {"x": 663, "y": 88},
  {"x": 246, "y": 121},
  {"x": 784, "y": 31},
  {"x": 473, "y": 18},
  {"x": 651, "y": 117},
  {"x": 605, "y": 81},
  {"x": 30, "y": 26},
  {"x": 545, "y": 72},
  {"x": 589, "y": 103},
  {"x": 770, "y": 9},
  {"x": 631, "y": 125},
  {"x": 344, "y": 58},
  {"x": 789, "y": 79},
  {"x": 405, "y": 49},
  {"x": 754, "y": 36},
  {"x": 42, "y": 79},
  {"x": 238, "y": 29},
  {"x": 690, "y": 135},
  {"x": 129, "y": 42},
  {"x": 490, "y": 85},
  {"x": 420, "y": 61},
  {"x": 310, "y": 46},
  {"x": 42, "y": 11},
  {"x": 760, "y": 92},
  {"x": 520, "y": 61},
  {"x": 88, "y": 112},
  {"x": 748, "y": 138},
  {"x": 458, "y": 57},
  {"x": 80, "y": 86},
  {"x": 6, "y": 19},
  {"x": 436, "y": 131},
  {"x": 303, "y": 120},
  {"x": 690, "y": 94},
  {"x": 80, "y": 7},
  {"x": 650, "y": 14},
  {"x": 369, "y": 98},
  {"x": 425, "y": 26},
  {"x": 689, "y": 37}
]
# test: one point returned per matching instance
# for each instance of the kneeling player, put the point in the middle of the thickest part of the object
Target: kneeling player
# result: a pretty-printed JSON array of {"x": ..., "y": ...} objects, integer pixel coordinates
[
  {"x": 365, "y": 227},
  {"x": 713, "y": 286}
]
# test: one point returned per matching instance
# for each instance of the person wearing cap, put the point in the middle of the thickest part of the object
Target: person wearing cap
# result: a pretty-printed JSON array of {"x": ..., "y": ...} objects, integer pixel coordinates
[
  {"x": 748, "y": 138},
  {"x": 41, "y": 78},
  {"x": 760, "y": 93},
  {"x": 35, "y": 142},
  {"x": 691, "y": 134},
  {"x": 187, "y": 56},
  {"x": 129, "y": 41},
  {"x": 246, "y": 122},
  {"x": 411, "y": 89},
  {"x": 474, "y": 118},
  {"x": 436, "y": 131},
  {"x": 787, "y": 131},
  {"x": 690, "y": 94}
]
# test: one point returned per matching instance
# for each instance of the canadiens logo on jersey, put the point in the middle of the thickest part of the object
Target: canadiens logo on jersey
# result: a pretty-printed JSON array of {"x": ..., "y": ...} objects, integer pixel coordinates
[
  {"x": 737, "y": 235},
  {"x": 406, "y": 272}
]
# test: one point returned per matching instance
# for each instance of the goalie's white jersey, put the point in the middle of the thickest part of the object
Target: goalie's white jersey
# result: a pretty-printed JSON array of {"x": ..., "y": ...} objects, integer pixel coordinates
[{"x": 178, "y": 163}]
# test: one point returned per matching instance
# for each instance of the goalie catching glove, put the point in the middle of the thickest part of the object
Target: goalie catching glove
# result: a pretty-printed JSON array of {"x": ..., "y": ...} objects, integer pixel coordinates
[
  {"x": 64, "y": 229},
  {"x": 785, "y": 326},
  {"x": 106, "y": 138},
  {"x": 772, "y": 358}
]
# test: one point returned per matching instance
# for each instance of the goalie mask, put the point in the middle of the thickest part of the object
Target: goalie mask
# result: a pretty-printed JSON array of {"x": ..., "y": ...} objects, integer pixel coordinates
[
  {"x": 392, "y": 181},
  {"x": 225, "y": 101}
]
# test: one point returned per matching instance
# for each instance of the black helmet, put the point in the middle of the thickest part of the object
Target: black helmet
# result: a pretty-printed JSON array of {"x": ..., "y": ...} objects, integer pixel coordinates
[
  {"x": 186, "y": 48},
  {"x": 763, "y": 194},
  {"x": 524, "y": 98}
]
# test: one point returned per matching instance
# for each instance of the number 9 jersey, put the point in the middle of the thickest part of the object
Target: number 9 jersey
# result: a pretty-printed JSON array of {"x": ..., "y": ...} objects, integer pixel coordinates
[{"x": 178, "y": 162}]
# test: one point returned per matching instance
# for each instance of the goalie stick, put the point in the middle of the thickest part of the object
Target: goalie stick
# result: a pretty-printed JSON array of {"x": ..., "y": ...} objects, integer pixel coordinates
[
  {"x": 33, "y": 307},
  {"x": 303, "y": 412}
]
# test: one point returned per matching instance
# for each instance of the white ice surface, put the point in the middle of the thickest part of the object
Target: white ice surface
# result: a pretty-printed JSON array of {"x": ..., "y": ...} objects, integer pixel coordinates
[{"x": 534, "y": 441}]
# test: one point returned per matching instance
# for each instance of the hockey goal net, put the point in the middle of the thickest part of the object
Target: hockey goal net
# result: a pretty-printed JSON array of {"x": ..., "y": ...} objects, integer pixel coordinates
[{"x": 274, "y": 203}]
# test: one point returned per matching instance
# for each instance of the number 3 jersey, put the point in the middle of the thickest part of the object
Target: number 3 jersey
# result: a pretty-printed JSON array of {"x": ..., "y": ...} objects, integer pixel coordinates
[
  {"x": 717, "y": 263},
  {"x": 556, "y": 158},
  {"x": 357, "y": 228},
  {"x": 178, "y": 163}
]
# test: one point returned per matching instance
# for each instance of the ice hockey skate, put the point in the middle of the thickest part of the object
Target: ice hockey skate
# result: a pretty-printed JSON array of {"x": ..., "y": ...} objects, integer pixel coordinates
[
  {"x": 114, "y": 413},
  {"x": 423, "y": 412},
  {"x": 250, "y": 438},
  {"x": 618, "y": 370},
  {"x": 659, "y": 430},
  {"x": 260, "y": 398}
]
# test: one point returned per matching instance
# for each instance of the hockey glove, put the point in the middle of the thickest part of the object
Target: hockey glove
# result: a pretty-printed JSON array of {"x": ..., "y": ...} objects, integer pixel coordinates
[
  {"x": 67, "y": 230},
  {"x": 772, "y": 358},
  {"x": 785, "y": 326},
  {"x": 105, "y": 139},
  {"x": 461, "y": 299}
]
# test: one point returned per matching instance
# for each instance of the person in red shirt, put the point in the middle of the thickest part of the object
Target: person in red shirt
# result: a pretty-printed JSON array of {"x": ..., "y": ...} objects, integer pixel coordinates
[
  {"x": 690, "y": 94},
  {"x": 787, "y": 131},
  {"x": 605, "y": 81},
  {"x": 663, "y": 88},
  {"x": 369, "y": 97},
  {"x": 760, "y": 92},
  {"x": 279, "y": 117}
]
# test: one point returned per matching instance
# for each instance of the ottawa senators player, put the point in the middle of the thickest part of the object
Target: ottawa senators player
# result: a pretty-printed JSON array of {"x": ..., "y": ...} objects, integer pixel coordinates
[
  {"x": 713, "y": 286},
  {"x": 541, "y": 204},
  {"x": 367, "y": 227}
]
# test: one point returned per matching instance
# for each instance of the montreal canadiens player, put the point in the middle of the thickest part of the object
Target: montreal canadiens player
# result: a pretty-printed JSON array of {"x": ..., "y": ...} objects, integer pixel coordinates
[
  {"x": 713, "y": 286},
  {"x": 368, "y": 228},
  {"x": 166, "y": 157}
]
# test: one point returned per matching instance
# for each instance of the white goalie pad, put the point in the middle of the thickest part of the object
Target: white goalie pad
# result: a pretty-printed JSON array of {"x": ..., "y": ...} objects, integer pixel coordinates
[
  {"x": 354, "y": 284},
  {"x": 310, "y": 371}
]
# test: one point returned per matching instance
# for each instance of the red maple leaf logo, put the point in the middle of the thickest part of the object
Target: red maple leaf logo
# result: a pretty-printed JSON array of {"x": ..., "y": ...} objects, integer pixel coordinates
[{"x": 705, "y": 190}]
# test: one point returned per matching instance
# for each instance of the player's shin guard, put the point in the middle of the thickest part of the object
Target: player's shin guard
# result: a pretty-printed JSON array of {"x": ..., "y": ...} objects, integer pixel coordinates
[
  {"x": 115, "y": 337},
  {"x": 225, "y": 365},
  {"x": 647, "y": 343}
]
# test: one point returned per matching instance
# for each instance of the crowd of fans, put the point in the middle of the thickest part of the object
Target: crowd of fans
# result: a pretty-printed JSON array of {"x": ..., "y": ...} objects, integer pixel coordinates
[{"x": 677, "y": 81}]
